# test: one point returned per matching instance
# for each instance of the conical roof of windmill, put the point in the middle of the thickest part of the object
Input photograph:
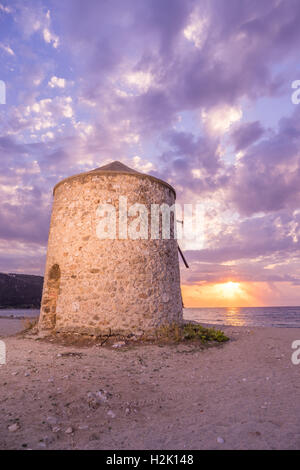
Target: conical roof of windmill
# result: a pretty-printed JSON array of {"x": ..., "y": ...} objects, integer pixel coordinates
[{"x": 112, "y": 168}]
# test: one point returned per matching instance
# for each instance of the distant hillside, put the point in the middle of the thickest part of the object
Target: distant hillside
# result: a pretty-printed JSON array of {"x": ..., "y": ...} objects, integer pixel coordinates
[{"x": 20, "y": 290}]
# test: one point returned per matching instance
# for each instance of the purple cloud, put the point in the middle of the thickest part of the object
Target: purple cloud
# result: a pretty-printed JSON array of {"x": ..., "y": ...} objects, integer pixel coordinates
[
  {"x": 138, "y": 78},
  {"x": 246, "y": 134}
]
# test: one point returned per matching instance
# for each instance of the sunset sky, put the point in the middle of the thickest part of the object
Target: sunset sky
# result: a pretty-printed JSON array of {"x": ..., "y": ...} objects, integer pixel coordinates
[{"x": 195, "y": 92}]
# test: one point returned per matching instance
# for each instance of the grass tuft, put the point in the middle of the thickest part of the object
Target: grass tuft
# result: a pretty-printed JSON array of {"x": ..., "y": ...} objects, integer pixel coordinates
[{"x": 190, "y": 332}]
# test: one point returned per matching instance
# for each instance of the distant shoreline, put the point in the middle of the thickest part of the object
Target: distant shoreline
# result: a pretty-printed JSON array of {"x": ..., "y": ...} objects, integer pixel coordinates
[{"x": 14, "y": 317}]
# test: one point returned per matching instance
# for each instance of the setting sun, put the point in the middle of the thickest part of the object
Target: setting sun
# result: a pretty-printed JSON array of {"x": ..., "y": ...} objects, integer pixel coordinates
[
  {"x": 229, "y": 289},
  {"x": 223, "y": 294}
]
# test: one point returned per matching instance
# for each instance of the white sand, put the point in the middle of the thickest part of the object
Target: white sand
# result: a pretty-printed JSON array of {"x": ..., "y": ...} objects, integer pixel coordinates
[{"x": 170, "y": 397}]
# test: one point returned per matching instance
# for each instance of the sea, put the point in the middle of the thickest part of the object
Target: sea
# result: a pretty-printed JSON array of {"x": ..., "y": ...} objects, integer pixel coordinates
[
  {"x": 12, "y": 321},
  {"x": 19, "y": 314},
  {"x": 281, "y": 317}
]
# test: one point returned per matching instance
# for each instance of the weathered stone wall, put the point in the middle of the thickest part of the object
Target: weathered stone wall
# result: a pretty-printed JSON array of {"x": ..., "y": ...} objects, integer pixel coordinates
[{"x": 98, "y": 286}]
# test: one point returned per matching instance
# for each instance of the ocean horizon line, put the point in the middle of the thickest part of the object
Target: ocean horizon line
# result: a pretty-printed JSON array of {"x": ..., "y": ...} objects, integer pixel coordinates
[{"x": 250, "y": 306}]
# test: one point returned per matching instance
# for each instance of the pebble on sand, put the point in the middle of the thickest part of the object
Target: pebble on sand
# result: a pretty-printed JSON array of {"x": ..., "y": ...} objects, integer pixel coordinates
[
  {"x": 51, "y": 420},
  {"x": 56, "y": 429},
  {"x": 13, "y": 427}
]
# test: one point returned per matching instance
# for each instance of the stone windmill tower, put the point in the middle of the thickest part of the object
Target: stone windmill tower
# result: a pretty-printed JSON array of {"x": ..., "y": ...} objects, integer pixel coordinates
[{"x": 118, "y": 285}]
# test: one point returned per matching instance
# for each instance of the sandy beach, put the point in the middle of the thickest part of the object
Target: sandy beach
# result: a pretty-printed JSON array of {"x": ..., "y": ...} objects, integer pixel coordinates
[{"x": 243, "y": 394}]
